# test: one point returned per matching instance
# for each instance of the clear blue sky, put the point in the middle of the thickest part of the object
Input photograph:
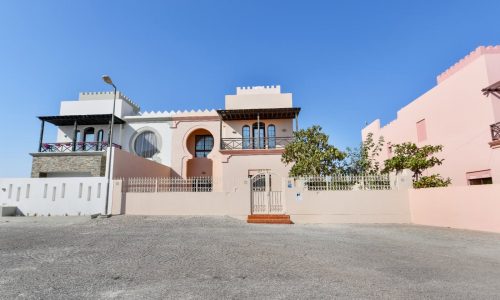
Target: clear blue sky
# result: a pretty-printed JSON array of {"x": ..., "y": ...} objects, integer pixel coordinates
[{"x": 346, "y": 62}]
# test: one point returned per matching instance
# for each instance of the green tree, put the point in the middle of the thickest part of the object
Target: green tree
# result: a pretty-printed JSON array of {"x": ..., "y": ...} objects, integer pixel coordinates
[
  {"x": 311, "y": 154},
  {"x": 363, "y": 160},
  {"x": 431, "y": 181},
  {"x": 409, "y": 156}
]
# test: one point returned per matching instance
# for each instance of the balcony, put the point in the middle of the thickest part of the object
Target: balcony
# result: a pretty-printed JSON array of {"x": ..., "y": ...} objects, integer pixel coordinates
[
  {"x": 255, "y": 143},
  {"x": 72, "y": 147},
  {"x": 495, "y": 135}
]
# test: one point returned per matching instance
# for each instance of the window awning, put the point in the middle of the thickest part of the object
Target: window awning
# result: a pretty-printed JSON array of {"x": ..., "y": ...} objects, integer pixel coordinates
[
  {"x": 263, "y": 113},
  {"x": 80, "y": 119}
]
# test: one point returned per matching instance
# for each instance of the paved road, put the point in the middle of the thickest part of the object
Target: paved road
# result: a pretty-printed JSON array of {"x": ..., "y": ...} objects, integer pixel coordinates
[{"x": 202, "y": 257}]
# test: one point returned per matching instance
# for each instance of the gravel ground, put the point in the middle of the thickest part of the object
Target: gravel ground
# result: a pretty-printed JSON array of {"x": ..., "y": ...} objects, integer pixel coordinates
[{"x": 203, "y": 257}]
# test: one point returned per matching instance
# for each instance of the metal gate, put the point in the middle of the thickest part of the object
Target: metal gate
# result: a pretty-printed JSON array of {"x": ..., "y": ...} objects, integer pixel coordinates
[{"x": 265, "y": 194}]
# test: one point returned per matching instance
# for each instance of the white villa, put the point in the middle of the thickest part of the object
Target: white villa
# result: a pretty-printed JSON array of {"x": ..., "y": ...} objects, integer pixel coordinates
[{"x": 243, "y": 139}]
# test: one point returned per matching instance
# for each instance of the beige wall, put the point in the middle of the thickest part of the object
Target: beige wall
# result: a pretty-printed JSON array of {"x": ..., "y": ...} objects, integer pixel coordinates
[
  {"x": 118, "y": 200},
  {"x": 234, "y": 203},
  {"x": 238, "y": 166},
  {"x": 211, "y": 203},
  {"x": 255, "y": 98},
  {"x": 463, "y": 207},
  {"x": 129, "y": 165},
  {"x": 467, "y": 207},
  {"x": 347, "y": 206}
]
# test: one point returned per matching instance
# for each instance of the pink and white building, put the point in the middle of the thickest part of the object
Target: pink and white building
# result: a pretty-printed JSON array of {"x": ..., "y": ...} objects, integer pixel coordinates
[
  {"x": 247, "y": 137},
  {"x": 462, "y": 113}
]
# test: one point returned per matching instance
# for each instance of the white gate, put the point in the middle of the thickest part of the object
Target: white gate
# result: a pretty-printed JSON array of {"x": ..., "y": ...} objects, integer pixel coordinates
[{"x": 265, "y": 194}]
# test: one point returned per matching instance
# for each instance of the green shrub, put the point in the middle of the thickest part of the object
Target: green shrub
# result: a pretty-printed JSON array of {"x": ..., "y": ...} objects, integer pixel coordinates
[{"x": 431, "y": 181}]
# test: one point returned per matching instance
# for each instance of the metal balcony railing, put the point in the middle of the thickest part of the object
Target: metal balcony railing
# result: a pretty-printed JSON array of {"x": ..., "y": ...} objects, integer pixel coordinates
[
  {"x": 255, "y": 143},
  {"x": 495, "y": 131},
  {"x": 79, "y": 146}
]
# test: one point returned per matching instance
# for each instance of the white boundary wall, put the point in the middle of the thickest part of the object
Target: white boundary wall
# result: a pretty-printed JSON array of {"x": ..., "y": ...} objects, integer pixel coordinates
[{"x": 54, "y": 196}]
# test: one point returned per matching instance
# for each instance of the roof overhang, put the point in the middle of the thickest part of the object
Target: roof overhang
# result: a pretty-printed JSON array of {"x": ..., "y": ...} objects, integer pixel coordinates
[
  {"x": 80, "y": 119},
  {"x": 493, "y": 89},
  {"x": 262, "y": 113}
]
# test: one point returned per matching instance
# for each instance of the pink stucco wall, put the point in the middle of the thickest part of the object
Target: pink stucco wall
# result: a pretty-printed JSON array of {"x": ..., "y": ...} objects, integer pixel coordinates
[
  {"x": 228, "y": 166},
  {"x": 457, "y": 115},
  {"x": 129, "y": 165},
  {"x": 466, "y": 207},
  {"x": 182, "y": 153}
]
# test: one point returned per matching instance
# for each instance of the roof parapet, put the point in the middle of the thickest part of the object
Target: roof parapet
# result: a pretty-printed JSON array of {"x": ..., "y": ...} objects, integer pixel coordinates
[
  {"x": 467, "y": 60},
  {"x": 257, "y": 90},
  {"x": 178, "y": 113},
  {"x": 108, "y": 96}
]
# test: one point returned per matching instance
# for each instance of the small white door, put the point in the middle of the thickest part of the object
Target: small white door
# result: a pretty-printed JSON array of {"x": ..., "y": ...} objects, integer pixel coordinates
[{"x": 265, "y": 194}]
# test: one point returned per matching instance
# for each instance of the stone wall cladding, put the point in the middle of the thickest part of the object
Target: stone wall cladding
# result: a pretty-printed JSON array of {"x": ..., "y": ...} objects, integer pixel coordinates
[{"x": 95, "y": 164}]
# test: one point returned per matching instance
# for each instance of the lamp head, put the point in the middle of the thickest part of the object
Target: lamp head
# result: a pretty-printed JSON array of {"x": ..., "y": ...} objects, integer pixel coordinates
[{"x": 107, "y": 79}]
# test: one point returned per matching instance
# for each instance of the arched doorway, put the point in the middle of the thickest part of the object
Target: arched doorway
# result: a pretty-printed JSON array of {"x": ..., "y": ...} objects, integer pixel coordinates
[{"x": 200, "y": 144}]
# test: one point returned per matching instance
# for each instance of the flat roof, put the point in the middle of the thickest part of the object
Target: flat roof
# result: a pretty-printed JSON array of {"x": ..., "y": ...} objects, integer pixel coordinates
[
  {"x": 263, "y": 113},
  {"x": 80, "y": 119}
]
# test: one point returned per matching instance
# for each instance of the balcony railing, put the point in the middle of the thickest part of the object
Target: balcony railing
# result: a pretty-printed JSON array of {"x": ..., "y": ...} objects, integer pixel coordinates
[
  {"x": 255, "y": 143},
  {"x": 495, "y": 131},
  {"x": 79, "y": 146}
]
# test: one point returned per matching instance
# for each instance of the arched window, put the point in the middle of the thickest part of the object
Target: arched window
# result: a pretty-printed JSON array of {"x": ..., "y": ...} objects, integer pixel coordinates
[
  {"x": 259, "y": 135},
  {"x": 146, "y": 144},
  {"x": 203, "y": 145},
  {"x": 100, "y": 139},
  {"x": 271, "y": 136},
  {"x": 245, "y": 133},
  {"x": 88, "y": 134},
  {"x": 78, "y": 136},
  {"x": 88, "y": 137}
]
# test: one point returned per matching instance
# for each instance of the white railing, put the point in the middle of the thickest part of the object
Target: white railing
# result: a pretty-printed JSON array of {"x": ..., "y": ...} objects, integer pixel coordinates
[
  {"x": 341, "y": 182},
  {"x": 167, "y": 184}
]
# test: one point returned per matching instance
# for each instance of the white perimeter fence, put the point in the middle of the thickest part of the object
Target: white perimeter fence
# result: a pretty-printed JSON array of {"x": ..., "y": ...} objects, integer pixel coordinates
[{"x": 54, "y": 196}]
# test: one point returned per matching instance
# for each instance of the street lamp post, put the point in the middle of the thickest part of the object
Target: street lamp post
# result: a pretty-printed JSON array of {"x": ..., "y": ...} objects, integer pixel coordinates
[{"x": 108, "y": 80}]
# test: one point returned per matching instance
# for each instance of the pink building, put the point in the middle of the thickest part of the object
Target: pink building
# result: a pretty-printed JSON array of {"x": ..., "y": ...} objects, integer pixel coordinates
[{"x": 458, "y": 113}]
